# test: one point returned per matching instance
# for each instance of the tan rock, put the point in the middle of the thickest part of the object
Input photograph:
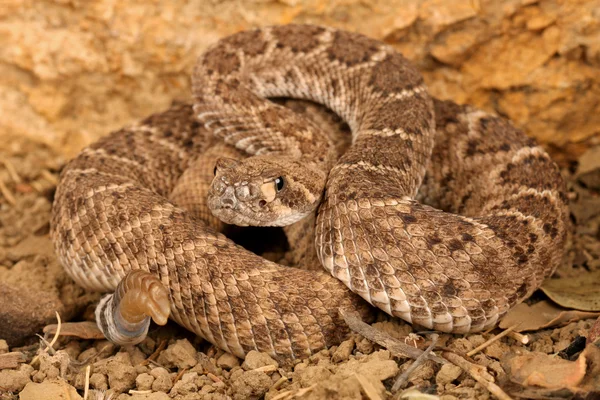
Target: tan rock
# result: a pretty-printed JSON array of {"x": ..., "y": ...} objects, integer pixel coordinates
[
  {"x": 180, "y": 354},
  {"x": 447, "y": 374},
  {"x": 228, "y": 361},
  {"x": 49, "y": 390},
  {"x": 162, "y": 380},
  {"x": 255, "y": 359},
  {"x": 15, "y": 380},
  {"x": 342, "y": 353},
  {"x": 106, "y": 64},
  {"x": 251, "y": 385},
  {"x": 144, "y": 381}
]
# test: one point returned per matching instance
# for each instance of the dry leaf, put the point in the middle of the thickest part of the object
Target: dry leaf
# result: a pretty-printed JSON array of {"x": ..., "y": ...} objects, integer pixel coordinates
[
  {"x": 83, "y": 330},
  {"x": 542, "y": 315},
  {"x": 549, "y": 371},
  {"x": 581, "y": 292}
]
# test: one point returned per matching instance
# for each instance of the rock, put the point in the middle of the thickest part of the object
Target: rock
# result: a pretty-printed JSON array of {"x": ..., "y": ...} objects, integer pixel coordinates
[
  {"x": 24, "y": 312},
  {"x": 186, "y": 385},
  {"x": 312, "y": 374},
  {"x": 461, "y": 345},
  {"x": 180, "y": 354},
  {"x": 251, "y": 385},
  {"x": 162, "y": 380},
  {"x": 497, "y": 350},
  {"x": 15, "y": 380},
  {"x": 144, "y": 381},
  {"x": 99, "y": 381},
  {"x": 56, "y": 389},
  {"x": 342, "y": 353},
  {"x": 255, "y": 359},
  {"x": 121, "y": 374},
  {"x": 3, "y": 346},
  {"x": 228, "y": 361},
  {"x": 364, "y": 345},
  {"x": 375, "y": 369},
  {"x": 447, "y": 374}
]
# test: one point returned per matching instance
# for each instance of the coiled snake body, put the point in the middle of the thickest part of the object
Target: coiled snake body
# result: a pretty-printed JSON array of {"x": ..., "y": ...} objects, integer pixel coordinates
[{"x": 493, "y": 229}]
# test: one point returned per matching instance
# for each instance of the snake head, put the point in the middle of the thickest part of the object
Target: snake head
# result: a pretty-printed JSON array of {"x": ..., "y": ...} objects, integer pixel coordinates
[{"x": 264, "y": 191}]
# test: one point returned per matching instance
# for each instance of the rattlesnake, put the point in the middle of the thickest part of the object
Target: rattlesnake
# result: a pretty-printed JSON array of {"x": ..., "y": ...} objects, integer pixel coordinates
[{"x": 501, "y": 232}]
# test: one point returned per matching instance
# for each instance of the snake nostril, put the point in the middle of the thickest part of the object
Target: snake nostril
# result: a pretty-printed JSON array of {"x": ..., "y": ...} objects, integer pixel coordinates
[
  {"x": 262, "y": 203},
  {"x": 227, "y": 203}
]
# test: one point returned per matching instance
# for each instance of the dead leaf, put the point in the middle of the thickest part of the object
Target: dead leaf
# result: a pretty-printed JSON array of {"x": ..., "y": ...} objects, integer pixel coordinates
[
  {"x": 549, "y": 371},
  {"x": 542, "y": 315},
  {"x": 581, "y": 292},
  {"x": 83, "y": 330}
]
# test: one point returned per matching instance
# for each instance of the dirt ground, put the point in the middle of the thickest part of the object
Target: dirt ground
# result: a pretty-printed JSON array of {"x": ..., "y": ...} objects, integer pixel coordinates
[{"x": 174, "y": 364}]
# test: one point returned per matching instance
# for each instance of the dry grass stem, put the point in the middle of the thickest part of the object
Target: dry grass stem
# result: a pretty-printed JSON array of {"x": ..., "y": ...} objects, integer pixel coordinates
[
  {"x": 396, "y": 347},
  {"x": 403, "y": 378},
  {"x": 86, "y": 389},
  {"x": 478, "y": 373},
  {"x": 12, "y": 172},
  {"x": 519, "y": 337},
  {"x": 7, "y": 194},
  {"x": 492, "y": 340}
]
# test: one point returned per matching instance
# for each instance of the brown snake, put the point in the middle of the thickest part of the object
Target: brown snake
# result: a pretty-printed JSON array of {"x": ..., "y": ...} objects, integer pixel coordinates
[{"x": 493, "y": 229}]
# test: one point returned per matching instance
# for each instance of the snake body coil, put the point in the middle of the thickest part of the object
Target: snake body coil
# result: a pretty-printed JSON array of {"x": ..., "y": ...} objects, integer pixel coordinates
[{"x": 493, "y": 229}]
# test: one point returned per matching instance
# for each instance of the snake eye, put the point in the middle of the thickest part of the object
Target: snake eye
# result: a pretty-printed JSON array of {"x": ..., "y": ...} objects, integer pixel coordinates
[{"x": 279, "y": 183}]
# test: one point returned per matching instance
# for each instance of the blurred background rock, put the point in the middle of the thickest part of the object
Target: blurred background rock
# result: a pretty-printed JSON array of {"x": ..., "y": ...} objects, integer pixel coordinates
[{"x": 73, "y": 70}]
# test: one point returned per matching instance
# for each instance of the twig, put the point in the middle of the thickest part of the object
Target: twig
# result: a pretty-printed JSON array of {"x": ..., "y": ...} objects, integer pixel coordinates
[
  {"x": 49, "y": 346},
  {"x": 154, "y": 355},
  {"x": 12, "y": 171},
  {"x": 478, "y": 373},
  {"x": 280, "y": 382},
  {"x": 492, "y": 340},
  {"x": 87, "y": 382},
  {"x": 403, "y": 378},
  {"x": 7, "y": 194},
  {"x": 214, "y": 378},
  {"x": 519, "y": 337},
  {"x": 179, "y": 375},
  {"x": 59, "y": 323},
  {"x": 266, "y": 368},
  {"x": 396, "y": 347}
]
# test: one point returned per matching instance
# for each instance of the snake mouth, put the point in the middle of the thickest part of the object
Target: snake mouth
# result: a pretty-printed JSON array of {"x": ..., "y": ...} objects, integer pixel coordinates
[{"x": 240, "y": 215}]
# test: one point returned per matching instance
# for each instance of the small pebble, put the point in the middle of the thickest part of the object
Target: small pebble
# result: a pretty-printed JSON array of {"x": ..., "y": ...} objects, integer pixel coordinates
[
  {"x": 342, "y": 353},
  {"x": 448, "y": 373},
  {"x": 144, "y": 381},
  {"x": 228, "y": 361},
  {"x": 180, "y": 354},
  {"x": 162, "y": 380},
  {"x": 251, "y": 385},
  {"x": 3, "y": 346},
  {"x": 254, "y": 360},
  {"x": 99, "y": 381}
]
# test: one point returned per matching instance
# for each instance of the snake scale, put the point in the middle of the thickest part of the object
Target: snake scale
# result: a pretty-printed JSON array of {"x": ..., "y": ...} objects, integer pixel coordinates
[{"x": 439, "y": 214}]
